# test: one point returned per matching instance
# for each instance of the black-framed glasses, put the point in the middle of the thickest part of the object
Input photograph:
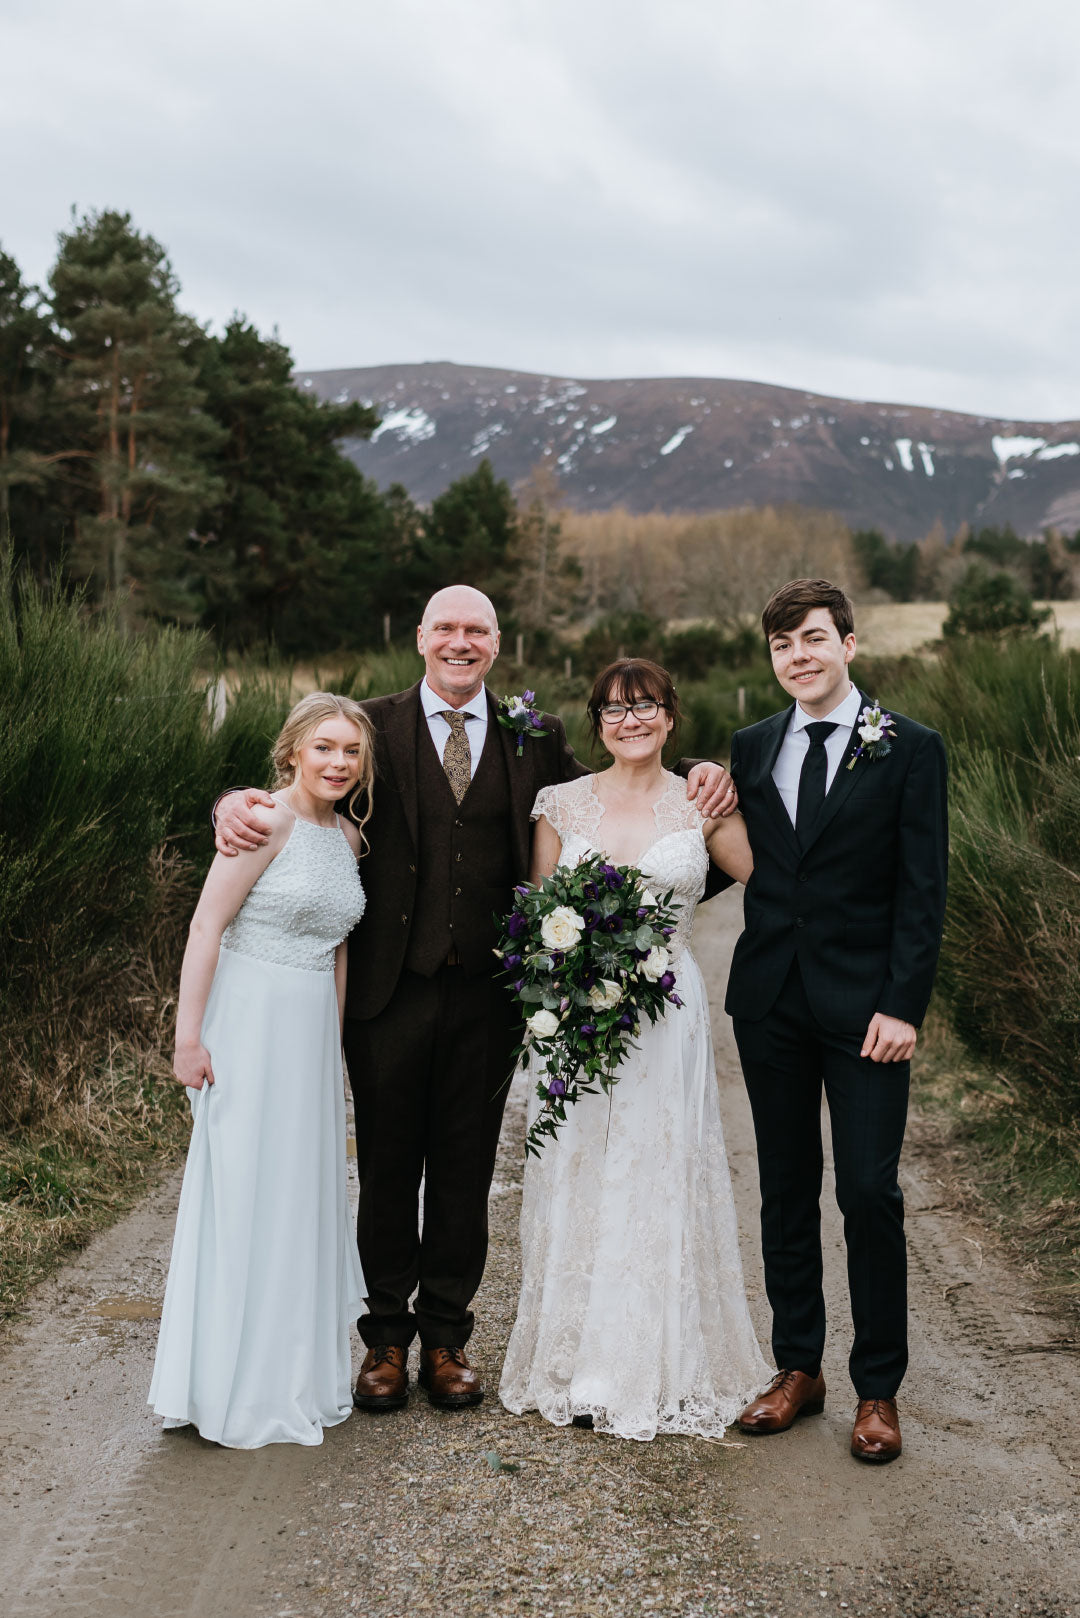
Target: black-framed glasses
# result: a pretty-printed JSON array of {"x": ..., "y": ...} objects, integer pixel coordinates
[{"x": 613, "y": 713}]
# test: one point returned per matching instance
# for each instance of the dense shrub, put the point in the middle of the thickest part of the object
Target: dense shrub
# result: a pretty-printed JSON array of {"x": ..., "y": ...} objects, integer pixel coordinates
[
  {"x": 992, "y": 603},
  {"x": 1010, "y": 969}
]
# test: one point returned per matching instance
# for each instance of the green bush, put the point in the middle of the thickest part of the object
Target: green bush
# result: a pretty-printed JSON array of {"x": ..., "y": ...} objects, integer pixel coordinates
[
  {"x": 108, "y": 765},
  {"x": 1010, "y": 966},
  {"x": 988, "y": 603}
]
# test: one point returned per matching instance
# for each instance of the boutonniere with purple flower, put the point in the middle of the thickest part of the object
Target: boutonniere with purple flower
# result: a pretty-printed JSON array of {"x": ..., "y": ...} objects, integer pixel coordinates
[
  {"x": 519, "y": 715},
  {"x": 876, "y": 732}
]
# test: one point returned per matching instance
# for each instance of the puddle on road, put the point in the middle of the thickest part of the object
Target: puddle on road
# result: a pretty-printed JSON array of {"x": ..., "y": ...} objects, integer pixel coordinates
[{"x": 126, "y": 1309}]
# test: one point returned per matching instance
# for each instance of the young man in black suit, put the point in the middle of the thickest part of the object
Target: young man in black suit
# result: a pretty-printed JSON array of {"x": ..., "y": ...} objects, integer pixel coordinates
[{"x": 829, "y": 982}]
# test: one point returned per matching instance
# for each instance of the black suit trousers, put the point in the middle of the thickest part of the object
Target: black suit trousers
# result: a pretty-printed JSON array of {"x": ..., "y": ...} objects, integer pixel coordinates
[
  {"x": 429, "y": 1081},
  {"x": 786, "y": 1057}
]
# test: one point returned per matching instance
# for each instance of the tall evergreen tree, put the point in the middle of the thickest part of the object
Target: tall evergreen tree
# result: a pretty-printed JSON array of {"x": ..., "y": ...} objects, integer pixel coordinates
[
  {"x": 25, "y": 338},
  {"x": 129, "y": 385},
  {"x": 301, "y": 548},
  {"x": 470, "y": 532}
]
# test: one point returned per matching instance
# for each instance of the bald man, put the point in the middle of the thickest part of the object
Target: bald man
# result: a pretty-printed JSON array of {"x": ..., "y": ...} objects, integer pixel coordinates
[{"x": 429, "y": 1030}]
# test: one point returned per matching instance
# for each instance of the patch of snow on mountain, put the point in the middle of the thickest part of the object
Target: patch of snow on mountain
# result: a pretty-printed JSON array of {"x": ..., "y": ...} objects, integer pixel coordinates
[
  {"x": 1054, "y": 452},
  {"x": 342, "y": 397},
  {"x": 1017, "y": 472},
  {"x": 603, "y": 426},
  {"x": 307, "y": 382},
  {"x": 729, "y": 464},
  {"x": 903, "y": 449},
  {"x": 485, "y": 438},
  {"x": 927, "y": 459},
  {"x": 409, "y": 424},
  {"x": 676, "y": 439},
  {"x": 1015, "y": 448},
  {"x": 889, "y": 465},
  {"x": 510, "y": 388},
  {"x": 864, "y": 441}
]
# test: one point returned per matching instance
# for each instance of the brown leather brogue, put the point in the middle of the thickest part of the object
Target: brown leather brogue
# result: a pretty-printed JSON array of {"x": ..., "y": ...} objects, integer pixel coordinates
[
  {"x": 449, "y": 1379},
  {"x": 383, "y": 1383},
  {"x": 789, "y": 1394},
  {"x": 876, "y": 1434}
]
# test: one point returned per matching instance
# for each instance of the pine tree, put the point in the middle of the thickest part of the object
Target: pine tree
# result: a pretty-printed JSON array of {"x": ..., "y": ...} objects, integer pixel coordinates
[
  {"x": 24, "y": 374},
  {"x": 129, "y": 384},
  {"x": 297, "y": 549},
  {"x": 470, "y": 532}
]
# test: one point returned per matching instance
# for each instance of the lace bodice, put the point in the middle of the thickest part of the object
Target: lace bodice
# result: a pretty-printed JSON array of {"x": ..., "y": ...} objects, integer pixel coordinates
[
  {"x": 307, "y": 900},
  {"x": 676, "y": 858}
]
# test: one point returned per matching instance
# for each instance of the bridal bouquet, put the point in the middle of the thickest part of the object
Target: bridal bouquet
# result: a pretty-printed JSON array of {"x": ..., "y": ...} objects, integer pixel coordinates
[{"x": 587, "y": 956}]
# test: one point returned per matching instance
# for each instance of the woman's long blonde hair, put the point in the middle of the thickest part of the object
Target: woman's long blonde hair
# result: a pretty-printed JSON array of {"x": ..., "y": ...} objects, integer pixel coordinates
[{"x": 302, "y": 722}]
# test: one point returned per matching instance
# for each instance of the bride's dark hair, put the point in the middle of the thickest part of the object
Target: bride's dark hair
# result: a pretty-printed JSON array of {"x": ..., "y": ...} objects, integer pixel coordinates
[{"x": 632, "y": 679}]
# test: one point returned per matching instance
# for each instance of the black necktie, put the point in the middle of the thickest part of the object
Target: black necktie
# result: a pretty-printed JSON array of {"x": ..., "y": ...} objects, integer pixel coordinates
[{"x": 815, "y": 772}]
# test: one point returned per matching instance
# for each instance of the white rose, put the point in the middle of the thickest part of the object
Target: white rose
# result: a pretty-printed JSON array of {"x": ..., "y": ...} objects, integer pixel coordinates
[
  {"x": 870, "y": 733},
  {"x": 605, "y": 995},
  {"x": 655, "y": 963},
  {"x": 562, "y": 928},
  {"x": 543, "y": 1024},
  {"x": 648, "y": 897}
]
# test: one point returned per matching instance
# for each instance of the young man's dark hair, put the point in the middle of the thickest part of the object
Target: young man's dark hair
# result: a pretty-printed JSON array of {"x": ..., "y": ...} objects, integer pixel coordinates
[{"x": 787, "y": 607}]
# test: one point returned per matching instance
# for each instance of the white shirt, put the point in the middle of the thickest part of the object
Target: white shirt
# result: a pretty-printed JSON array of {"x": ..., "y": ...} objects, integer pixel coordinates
[
  {"x": 476, "y": 720},
  {"x": 796, "y": 745}
]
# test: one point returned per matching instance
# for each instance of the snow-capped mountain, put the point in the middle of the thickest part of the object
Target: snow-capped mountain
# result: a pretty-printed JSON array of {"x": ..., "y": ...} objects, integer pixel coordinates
[{"x": 698, "y": 444}]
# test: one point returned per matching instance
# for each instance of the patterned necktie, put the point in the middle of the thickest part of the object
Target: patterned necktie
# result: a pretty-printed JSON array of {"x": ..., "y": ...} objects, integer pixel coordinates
[
  {"x": 815, "y": 772},
  {"x": 457, "y": 755}
]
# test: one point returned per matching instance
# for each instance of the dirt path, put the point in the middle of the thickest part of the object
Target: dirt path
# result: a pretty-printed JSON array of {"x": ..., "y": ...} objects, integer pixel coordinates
[{"x": 477, "y": 1513}]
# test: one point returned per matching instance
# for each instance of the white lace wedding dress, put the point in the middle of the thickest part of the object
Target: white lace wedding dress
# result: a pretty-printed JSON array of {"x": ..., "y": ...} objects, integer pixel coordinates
[
  {"x": 632, "y": 1306},
  {"x": 265, "y": 1279}
]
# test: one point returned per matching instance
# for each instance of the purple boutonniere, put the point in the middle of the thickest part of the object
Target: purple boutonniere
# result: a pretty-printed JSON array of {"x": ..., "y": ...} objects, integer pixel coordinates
[
  {"x": 876, "y": 732},
  {"x": 519, "y": 715}
]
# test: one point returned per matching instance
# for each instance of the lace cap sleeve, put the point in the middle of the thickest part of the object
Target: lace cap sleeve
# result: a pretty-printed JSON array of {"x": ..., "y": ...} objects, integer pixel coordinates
[{"x": 547, "y": 804}]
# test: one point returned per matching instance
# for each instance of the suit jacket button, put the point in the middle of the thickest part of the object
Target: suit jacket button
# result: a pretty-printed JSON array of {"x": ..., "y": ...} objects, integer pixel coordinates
[
  {"x": 412, "y": 868},
  {"x": 799, "y": 922},
  {"x": 457, "y": 892},
  {"x": 802, "y": 874},
  {"x": 457, "y": 823},
  {"x": 405, "y": 920}
]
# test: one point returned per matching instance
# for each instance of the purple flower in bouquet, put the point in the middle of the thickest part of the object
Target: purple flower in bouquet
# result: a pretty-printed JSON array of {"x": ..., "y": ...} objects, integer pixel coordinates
[
  {"x": 591, "y": 891},
  {"x": 613, "y": 878},
  {"x": 587, "y": 1030},
  {"x": 675, "y": 1001},
  {"x": 516, "y": 924},
  {"x": 613, "y": 924},
  {"x": 510, "y": 961},
  {"x": 557, "y": 1088},
  {"x": 625, "y": 1021},
  {"x": 667, "y": 981}
]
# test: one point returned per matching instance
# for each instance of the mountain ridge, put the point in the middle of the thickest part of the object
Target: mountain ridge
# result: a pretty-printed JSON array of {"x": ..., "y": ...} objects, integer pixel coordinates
[{"x": 701, "y": 443}]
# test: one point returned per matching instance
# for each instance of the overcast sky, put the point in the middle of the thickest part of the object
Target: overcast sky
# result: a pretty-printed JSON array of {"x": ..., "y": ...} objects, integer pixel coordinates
[{"x": 873, "y": 198}]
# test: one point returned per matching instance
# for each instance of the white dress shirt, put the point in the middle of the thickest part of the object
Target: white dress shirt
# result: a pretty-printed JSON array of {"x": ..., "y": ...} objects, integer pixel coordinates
[
  {"x": 476, "y": 720},
  {"x": 796, "y": 745}
]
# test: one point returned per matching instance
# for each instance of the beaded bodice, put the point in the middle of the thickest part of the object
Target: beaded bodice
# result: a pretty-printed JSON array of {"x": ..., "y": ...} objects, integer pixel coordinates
[
  {"x": 676, "y": 859},
  {"x": 307, "y": 900}
]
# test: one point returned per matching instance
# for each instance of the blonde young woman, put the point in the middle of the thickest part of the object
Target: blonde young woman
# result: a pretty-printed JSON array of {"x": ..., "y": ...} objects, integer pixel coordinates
[{"x": 264, "y": 1278}]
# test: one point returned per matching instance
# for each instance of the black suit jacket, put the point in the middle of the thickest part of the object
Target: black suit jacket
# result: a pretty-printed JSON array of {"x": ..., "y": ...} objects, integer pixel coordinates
[{"x": 862, "y": 904}]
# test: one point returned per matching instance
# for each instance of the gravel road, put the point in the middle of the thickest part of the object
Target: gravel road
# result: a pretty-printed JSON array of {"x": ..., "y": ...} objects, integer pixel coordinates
[{"x": 424, "y": 1512}]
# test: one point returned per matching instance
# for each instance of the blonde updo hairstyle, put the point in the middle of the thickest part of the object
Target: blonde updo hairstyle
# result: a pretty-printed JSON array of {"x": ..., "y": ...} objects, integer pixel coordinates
[{"x": 304, "y": 721}]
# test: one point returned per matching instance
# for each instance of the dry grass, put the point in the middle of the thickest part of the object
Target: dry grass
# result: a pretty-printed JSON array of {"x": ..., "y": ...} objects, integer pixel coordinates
[
  {"x": 891, "y": 629},
  {"x": 1002, "y": 1162}
]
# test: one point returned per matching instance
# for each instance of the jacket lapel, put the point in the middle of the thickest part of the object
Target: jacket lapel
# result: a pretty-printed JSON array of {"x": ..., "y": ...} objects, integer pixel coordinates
[
  {"x": 844, "y": 783},
  {"x": 402, "y": 721},
  {"x": 771, "y": 743},
  {"x": 522, "y": 786}
]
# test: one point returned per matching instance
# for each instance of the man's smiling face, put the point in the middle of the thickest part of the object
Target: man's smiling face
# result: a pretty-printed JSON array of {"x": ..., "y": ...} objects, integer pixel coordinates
[
  {"x": 459, "y": 641},
  {"x": 811, "y": 662}
]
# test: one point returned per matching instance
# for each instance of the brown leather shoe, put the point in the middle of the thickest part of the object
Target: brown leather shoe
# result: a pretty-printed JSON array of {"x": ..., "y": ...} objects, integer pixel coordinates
[
  {"x": 789, "y": 1394},
  {"x": 876, "y": 1433},
  {"x": 449, "y": 1379},
  {"x": 383, "y": 1383}
]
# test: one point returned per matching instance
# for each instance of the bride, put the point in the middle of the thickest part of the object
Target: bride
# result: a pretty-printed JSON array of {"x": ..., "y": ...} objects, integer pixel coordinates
[{"x": 632, "y": 1317}]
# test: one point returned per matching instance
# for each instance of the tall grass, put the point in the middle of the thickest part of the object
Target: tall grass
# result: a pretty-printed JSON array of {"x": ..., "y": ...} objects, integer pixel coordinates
[
  {"x": 107, "y": 767},
  {"x": 1010, "y": 968}
]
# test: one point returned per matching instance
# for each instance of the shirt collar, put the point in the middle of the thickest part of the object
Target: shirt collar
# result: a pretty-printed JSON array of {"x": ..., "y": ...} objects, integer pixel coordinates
[
  {"x": 845, "y": 713},
  {"x": 432, "y": 703}
]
